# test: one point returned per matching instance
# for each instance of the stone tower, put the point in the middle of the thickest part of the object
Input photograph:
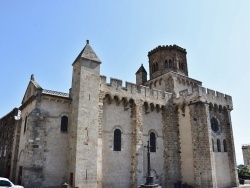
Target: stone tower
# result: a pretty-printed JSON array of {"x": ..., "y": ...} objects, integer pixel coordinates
[
  {"x": 84, "y": 120},
  {"x": 167, "y": 58},
  {"x": 246, "y": 154},
  {"x": 141, "y": 76}
]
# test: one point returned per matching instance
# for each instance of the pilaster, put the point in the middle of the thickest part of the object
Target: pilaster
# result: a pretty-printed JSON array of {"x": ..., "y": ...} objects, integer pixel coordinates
[
  {"x": 99, "y": 141},
  {"x": 137, "y": 137},
  {"x": 171, "y": 144},
  {"x": 204, "y": 167},
  {"x": 231, "y": 149}
]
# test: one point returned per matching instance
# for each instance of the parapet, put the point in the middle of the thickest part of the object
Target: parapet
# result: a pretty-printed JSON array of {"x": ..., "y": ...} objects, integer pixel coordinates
[
  {"x": 131, "y": 90},
  {"x": 245, "y": 146},
  {"x": 167, "y": 47},
  {"x": 208, "y": 96}
]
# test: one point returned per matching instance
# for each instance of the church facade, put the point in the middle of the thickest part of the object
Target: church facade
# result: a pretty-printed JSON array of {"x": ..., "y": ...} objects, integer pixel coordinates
[{"x": 94, "y": 136}]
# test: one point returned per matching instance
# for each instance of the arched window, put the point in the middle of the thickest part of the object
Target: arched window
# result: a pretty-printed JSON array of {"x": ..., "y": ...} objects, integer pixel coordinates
[
  {"x": 25, "y": 124},
  {"x": 156, "y": 67},
  {"x": 213, "y": 144},
  {"x": 152, "y": 141},
  {"x": 218, "y": 145},
  {"x": 117, "y": 140},
  {"x": 182, "y": 66},
  {"x": 225, "y": 145},
  {"x": 64, "y": 124},
  {"x": 170, "y": 64},
  {"x": 166, "y": 63}
]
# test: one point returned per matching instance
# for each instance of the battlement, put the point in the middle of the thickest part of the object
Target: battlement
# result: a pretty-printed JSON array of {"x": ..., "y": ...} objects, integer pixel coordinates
[
  {"x": 206, "y": 95},
  {"x": 131, "y": 90},
  {"x": 167, "y": 47},
  {"x": 245, "y": 146}
]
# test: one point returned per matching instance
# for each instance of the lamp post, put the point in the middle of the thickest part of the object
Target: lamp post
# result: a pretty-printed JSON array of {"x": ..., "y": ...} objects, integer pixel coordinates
[{"x": 149, "y": 179}]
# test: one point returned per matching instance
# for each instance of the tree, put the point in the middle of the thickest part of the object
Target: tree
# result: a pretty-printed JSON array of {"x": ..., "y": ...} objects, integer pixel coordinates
[{"x": 244, "y": 171}]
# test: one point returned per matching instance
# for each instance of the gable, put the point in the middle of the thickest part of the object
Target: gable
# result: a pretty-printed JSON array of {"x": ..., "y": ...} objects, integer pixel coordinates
[{"x": 31, "y": 89}]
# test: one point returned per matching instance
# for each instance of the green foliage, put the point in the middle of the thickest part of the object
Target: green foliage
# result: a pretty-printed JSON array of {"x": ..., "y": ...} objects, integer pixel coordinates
[{"x": 244, "y": 171}]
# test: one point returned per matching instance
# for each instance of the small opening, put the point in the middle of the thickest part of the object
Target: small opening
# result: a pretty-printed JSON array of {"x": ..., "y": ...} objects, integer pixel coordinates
[
  {"x": 152, "y": 141},
  {"x": 218, "y": 145},
  {"x": 166, "y": 64},
  {"x": 225, "y": 145},
  {"x": 117, "y": 140},
  {"x": 170, "y": 64},
  {"x": 64, "y": 124},
  {"x": 25, "y": 124}
]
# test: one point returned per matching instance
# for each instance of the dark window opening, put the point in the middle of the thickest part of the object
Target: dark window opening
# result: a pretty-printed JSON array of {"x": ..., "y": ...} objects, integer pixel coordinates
[
  {"x": 170, "y": 64},
  {"x": 214, "y": 124},
  {"x": 117, "y": 140},
  {"x": 152, "y": 140},
  {"x": 218, "y": 145},
  {"x": 225, "y": 145},
  {"x": 64, "y": 124},
  {"x": 166, "y": 64},
  {"x": 25, "y": 124}
]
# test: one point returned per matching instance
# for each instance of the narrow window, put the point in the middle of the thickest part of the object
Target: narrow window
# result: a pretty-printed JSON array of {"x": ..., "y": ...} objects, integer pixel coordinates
[
  {"x": 166, "y": 63},
  {"x": 25, "y": 124},
  {"x": 64, "y": 124},
  {"x": 156, "y": 67},
  {"x": 1, "y": 152},
  {"x": 170, "y": 64},
  {"x": 213, "y": 144},
  {"x": 225, "y": 145},
  {"x": 152, "y": 142},
  {"x": 117, "y": 140},
  {"x": 218, "y": 145}
]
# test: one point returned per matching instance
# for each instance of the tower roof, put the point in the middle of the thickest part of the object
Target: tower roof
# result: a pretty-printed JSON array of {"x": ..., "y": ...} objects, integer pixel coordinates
[
  {"x": 141, "y": 69},
  {"x": 88, "y": 53}
]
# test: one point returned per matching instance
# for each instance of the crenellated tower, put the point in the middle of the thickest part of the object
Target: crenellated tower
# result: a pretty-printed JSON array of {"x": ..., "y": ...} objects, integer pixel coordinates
[{"x": 167, "y": 58}]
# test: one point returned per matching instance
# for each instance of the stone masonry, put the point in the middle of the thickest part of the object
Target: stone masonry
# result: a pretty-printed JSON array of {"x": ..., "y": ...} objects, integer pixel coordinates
[{"x": 94, "y": 136}]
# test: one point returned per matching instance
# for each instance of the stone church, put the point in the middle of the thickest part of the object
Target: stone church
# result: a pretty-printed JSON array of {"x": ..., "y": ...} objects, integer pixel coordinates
[{"x": 95, "y": 135}]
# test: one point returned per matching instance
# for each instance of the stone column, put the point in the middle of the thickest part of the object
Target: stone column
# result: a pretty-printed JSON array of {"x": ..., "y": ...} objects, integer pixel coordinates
[
  {"x": 204, "y": 167},
  {"x": 137, "y": 140}
]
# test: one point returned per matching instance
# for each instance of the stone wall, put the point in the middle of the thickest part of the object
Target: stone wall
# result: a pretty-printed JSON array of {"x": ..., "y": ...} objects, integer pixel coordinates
[{"x": 116, "y": 165}]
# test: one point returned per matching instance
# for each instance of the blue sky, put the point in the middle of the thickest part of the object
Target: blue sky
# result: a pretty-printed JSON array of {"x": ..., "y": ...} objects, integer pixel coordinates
[{"x": 43, "y": 38}]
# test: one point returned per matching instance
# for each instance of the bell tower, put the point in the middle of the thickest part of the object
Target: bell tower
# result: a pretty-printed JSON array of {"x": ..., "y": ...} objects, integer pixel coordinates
[{"x": 163, "y": 59}]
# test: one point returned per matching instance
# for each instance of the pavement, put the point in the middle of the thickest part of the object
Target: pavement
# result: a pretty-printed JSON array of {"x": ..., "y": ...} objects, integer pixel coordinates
[{"x": 246, "y": 184}]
